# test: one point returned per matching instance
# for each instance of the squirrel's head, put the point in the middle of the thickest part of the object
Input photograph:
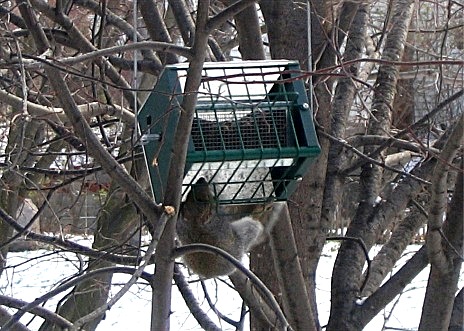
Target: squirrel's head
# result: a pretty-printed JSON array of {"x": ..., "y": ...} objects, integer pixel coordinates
[
  {"x": 201, "y": 192},
  {"x": 199, "y": 204}
]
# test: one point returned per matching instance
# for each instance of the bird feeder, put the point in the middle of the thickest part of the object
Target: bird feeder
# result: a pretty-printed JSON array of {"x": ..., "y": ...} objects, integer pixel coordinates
[{"x": 252, "y": 136}]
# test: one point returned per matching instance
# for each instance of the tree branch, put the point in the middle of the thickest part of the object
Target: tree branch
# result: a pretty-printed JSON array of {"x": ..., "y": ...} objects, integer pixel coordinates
[
  {"x": 189, "y": 298},
  {"x": 38, "y": 310},
  {"x": 88, "y": 110},
  {"x": 367, "y": 158},
  {"x": 98, "y": 53},
  {"x": 227, "y": 13},
  {"x": 134, "y": 277},
  {"x": 390, "y": 289},
  {"x": 63, "y": 287},
  {"x": 439, "y": 198},
  {"x": 258, "y": 284},
  {"x": 162, "y": 283},
  {"x": 424, "y": 120}
]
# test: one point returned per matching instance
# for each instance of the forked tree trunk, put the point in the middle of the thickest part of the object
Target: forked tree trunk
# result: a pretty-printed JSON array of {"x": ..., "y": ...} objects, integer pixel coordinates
[{"x": 347, "y": 274}]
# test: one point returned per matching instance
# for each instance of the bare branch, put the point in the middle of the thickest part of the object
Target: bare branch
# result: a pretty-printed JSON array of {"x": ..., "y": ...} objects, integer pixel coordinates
[
  {"x": 258, "y": 284},
  {"x": 439, "y": 198},
  {"x": 67, "y": 244},
  {"x": 89, "y": 110},
  {"x": 38, "y": 310},
  {"x": 367, "y": 158},
  {"x": 98, "y": 53},
  {"x": 228, "y": 13},
  {"x": 134, "y": 277},
  {"x": 391, "y": 288},
  {"x": 29, "y": 307},
  {"x": 425, "y": 119},
  {"x": 184, "y": 289}
]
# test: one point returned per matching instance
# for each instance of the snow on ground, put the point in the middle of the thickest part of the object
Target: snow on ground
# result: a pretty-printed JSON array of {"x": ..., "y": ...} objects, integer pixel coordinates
[{"x": 33, "y": 273}]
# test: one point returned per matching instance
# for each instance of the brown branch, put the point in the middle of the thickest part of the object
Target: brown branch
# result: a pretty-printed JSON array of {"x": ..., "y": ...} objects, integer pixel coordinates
[
  {"x": 29, "y": 307},
  {"x": 439, "y": 198},
  {"x": 122, "y": 25},
  {"x": 189, "y": 298},
  {"x": 288, "y": 269},
  {"x": 261, "y": 309},
  {"x": 425, "y": 119},
  {"x": 214, "y": 309},
  {"x": 349, "y": 265},
  {"x": 367, "y": 158},
  {"x": 384, "y": 261},
  {"x": 67, "y": 244},
  {"x": 83, "y": 45},
  {"x": 156, "y": 28},
  {"x": 363, "y": 140},
  {"x": 184, "y": 20},
  {"x": 39, "y": 311},
  {"x": 88, "y": 110},
  {"x": 361, "y": 244},
  {"x": 347, "y": 64},
  {"x": 162, "y": 283},
  {"x": 34, "y": 218},
  {"x": 391, "y": 288},
  {"x": 457, "y": 317},
  {"x": 98, "y": 53},
  {"x": 137, "y": 273},
  {"x": 227, "y": 13},
  {"x": 5, "y": 316},
  {"x": 257, "y": 283}
]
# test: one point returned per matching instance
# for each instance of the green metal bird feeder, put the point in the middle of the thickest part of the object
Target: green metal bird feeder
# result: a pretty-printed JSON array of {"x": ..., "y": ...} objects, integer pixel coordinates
[{"x": 253, "y": 135}]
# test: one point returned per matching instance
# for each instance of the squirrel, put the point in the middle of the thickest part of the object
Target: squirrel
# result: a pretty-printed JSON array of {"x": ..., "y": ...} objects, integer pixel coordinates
[{"x": 199, "y": 222}]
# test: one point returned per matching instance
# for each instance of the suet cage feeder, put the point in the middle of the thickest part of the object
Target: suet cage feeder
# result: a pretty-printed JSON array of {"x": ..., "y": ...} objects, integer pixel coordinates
[{"x": 252, "y": 137}]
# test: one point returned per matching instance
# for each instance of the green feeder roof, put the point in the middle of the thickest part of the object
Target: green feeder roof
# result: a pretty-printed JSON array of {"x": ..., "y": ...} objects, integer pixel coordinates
[{"x": 253, "y": 135}]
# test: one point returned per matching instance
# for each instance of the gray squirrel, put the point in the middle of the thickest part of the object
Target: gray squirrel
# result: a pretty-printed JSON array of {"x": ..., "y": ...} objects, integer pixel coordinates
[{"x": 199, "y": 222}]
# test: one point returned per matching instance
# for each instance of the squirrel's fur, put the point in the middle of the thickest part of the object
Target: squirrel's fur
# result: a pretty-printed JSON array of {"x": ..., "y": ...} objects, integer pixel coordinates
[{"x": 199, "y": 222}]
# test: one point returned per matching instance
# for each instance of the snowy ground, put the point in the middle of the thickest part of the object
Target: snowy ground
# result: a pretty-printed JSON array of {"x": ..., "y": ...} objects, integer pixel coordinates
[{"x": 32, "y": 274}]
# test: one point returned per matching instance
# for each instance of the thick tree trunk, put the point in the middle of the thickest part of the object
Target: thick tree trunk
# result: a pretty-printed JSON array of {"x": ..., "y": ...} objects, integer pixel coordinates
[
  {"x": 347, "y": 273},
  {"x": 288, "y": 39},
  {"x": 444, "y": 246},
  {"x": 288, "y": 36},
  {"x": 457, "y": 316},
  {"x": 115, "y": 225},
  {"x": 22, "y": 139}
]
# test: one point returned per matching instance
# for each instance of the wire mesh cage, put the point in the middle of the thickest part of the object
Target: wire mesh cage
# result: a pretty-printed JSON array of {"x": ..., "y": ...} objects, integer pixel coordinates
[{"x": 252, "y": 136}]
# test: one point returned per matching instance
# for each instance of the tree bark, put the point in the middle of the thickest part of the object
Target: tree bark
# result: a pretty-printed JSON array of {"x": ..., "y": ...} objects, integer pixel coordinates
[
  {"x": 249, "y": 34},
  {"x": 343, "y": 101},
  {"x": 115, "y": 225},
  {"x": 457, "y": 316},
  {"x": 156, "y": 27},
  {"x": 162, "y": 282},
  {"x": 295, "y": 298},
  {"x": 444, "y": 247},
  {"x": 346, "y": 278}
]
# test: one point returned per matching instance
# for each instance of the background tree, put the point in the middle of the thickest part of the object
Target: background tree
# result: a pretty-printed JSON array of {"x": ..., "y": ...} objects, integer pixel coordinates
[{"x": 387, "y": 89}]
